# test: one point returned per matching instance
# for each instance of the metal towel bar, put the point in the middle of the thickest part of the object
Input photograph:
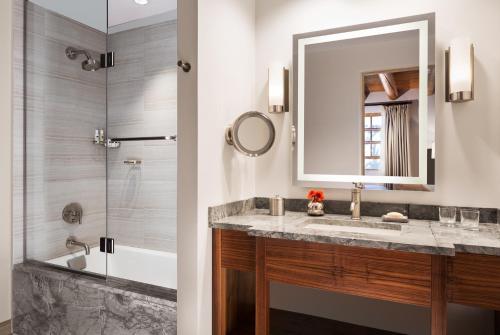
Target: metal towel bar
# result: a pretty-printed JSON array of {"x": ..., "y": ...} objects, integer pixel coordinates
[{"x": 150, "y": 138}]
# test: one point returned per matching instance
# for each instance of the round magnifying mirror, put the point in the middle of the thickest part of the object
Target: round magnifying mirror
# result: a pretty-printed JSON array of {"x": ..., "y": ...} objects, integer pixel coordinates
[{"x": 252, "y": 134}]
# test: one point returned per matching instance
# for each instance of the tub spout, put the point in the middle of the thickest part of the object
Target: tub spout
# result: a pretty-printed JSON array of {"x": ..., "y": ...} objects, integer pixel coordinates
[{"x": 71, "y": 241}]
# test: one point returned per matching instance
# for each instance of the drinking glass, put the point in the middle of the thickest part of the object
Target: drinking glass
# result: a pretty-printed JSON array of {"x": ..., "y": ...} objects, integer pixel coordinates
[
  {"x": 447, "y": 216},
  {"x": 469, "y": 219}
]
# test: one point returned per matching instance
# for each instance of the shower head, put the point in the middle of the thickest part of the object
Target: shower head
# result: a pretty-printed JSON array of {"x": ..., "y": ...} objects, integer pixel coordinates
[{"x": 90, "y": 64}]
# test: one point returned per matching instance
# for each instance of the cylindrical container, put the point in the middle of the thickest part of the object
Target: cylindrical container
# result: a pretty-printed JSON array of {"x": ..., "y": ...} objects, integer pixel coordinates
[{"x": 277, "y": 206}]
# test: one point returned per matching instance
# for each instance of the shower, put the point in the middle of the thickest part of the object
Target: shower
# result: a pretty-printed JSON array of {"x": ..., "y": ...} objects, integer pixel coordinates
[
  {"x": 123, "y": 198},
  {"x": 90, "y": 64}
]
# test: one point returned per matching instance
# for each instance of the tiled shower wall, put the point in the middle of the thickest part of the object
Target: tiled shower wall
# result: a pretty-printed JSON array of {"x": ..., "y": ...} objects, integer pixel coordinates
[
  {"x": 142, "y": 101},
  {"x": 63, "y": 105},
  {"x": 18, "y": 132}
]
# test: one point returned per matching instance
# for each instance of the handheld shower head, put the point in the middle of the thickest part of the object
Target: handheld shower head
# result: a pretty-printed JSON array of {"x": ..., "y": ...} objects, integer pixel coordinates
[{"x": 90, "y": 64}]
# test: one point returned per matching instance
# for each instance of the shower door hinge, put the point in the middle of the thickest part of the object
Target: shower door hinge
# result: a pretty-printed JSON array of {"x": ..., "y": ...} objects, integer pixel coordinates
[
  {"x": 108, "y": 245},
  {"x": 108, "y": 60}
]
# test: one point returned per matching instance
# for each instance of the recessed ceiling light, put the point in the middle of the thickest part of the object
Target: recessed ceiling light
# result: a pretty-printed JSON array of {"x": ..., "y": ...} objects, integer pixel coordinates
[{"x": 141, "y": 2}]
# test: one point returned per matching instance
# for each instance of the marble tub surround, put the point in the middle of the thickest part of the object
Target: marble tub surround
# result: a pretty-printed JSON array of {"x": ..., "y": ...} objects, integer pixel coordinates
[
  {"x": 377, "y": 209},
  {"x": 422, "y": 236},
  {"x": 49, "y": 301}
]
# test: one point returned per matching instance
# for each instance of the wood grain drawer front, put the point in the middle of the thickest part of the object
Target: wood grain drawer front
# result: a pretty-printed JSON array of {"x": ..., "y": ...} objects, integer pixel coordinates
[
  {"x": 300, "y": 263},
  {"x": 388, "y": 275},
  {"x": 237, "y": 250},
  {"x": 474, "y": 280}
]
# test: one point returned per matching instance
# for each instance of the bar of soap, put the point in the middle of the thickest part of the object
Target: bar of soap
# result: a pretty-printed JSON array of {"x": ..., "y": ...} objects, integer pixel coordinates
[{"x": 394, "y": 217}]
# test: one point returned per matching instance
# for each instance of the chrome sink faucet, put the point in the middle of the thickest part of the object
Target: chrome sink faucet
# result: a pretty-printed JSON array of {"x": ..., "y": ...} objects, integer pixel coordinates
[
  {"x": 356, "y": 201},
  {"x": 71, "y": 241}
]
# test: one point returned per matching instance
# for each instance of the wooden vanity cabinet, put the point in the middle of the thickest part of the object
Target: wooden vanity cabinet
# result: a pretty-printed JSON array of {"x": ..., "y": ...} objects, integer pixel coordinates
[
  {"x": 379, "y": 274},
  {"x": 403, "y": 277},
  {"x": 474, "y": 280}
]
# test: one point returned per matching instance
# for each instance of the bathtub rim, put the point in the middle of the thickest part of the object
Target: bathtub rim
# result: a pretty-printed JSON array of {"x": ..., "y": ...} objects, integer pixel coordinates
[{"x": 110, "y": 282}]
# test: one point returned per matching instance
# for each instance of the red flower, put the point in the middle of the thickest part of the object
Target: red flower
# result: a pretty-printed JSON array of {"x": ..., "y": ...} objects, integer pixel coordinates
[{"x": 316, "y": 195}]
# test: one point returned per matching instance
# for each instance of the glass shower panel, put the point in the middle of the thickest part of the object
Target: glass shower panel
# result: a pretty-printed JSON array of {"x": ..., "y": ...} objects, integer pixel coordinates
[
  {"x": 142, "y": 125},
  {"x": 65, "y": 103}
]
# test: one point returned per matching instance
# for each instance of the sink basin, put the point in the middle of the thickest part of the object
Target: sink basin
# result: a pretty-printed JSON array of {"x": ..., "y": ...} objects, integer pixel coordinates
[{"x": 353, "y": 226}]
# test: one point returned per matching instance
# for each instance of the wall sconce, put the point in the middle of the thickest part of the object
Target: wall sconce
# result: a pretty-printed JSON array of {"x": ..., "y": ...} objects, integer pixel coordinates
[
  {"x": 278, "y": 89},
  {"x": 459, "y": 60}
]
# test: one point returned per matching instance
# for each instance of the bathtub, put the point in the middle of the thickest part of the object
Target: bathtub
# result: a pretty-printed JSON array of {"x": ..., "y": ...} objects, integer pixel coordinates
[{"x": 142, "y": 265}]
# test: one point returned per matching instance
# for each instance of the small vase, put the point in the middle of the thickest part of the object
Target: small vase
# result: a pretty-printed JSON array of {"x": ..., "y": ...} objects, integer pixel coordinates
[{"x": 315, "y": 208}]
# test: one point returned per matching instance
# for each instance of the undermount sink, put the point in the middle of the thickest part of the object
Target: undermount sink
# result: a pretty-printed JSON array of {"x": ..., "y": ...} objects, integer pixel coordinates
[{"x": 353, "y": 226}]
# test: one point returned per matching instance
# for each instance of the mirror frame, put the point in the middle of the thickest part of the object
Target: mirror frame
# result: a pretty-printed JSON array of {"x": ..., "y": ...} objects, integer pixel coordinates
[
  {"x": 233, "y": 139},
  {"x": 423, "y": 24}
]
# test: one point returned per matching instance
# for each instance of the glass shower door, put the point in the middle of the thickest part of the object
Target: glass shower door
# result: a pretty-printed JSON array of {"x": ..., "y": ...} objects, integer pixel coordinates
[
  {"x": 100, "y": 138},
  {"x": 142, "y": 127},
  {"x": 65, "y": 106}
]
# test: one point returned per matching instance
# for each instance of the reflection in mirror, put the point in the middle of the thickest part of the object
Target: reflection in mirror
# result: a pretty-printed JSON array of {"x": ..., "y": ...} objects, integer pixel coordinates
[
  {"x": 364, "y": 105},
  {"x": 253, "y": 134},
  {"x": 391, "y": 125}
]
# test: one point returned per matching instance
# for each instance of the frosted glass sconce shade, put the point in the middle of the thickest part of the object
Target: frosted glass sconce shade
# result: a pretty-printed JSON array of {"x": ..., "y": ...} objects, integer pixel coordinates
[
  {"x": 460, "y": 71},
  {"x": 278, "y": 89}
]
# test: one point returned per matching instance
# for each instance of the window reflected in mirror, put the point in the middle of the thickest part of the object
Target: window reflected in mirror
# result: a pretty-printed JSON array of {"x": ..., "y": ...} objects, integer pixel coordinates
[{"x": 391, "y": 125}]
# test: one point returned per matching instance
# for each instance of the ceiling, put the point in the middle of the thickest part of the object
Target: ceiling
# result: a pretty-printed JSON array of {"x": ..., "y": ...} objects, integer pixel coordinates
[
  {"x": 93, "y": 12},
  {"x": 403, "y": 81},
  {"x": 123, "y": 11}
]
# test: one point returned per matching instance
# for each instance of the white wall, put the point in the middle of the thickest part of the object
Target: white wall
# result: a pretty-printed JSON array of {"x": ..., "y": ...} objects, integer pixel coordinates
[
  {"x": 468, "y": 141},
  {"x": 187, "y": 171},
  {"x": 225, "y": 90},
  {"x": 6, "y": 158}
]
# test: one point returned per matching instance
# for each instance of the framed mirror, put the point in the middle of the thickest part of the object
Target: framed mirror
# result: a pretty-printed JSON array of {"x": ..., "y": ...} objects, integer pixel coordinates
[
  {"x": 364, "y": 105},
  {"x": 252, "y": 134}
]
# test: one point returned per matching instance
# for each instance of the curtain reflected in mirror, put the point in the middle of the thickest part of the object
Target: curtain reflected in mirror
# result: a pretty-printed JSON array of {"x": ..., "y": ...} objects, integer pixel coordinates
[{"x": 391, "y": 126}]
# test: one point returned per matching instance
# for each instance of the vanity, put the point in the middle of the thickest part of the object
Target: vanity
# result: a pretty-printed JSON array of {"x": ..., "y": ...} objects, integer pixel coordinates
[
  {"x": 418, "y": 263},
  {"x": 363, "y": 112}
]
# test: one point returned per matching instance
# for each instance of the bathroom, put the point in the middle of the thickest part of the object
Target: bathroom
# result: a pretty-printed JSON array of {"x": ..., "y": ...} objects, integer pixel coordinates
[{"x": 120, "y": 125}]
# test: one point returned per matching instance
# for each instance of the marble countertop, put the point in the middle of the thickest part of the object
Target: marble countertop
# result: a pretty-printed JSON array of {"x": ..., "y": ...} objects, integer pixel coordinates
[{"x": 415, "y": 236}]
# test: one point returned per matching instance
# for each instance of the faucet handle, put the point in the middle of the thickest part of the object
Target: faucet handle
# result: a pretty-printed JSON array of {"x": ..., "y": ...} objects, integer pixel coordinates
[{"x": 359, "y": 186}]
